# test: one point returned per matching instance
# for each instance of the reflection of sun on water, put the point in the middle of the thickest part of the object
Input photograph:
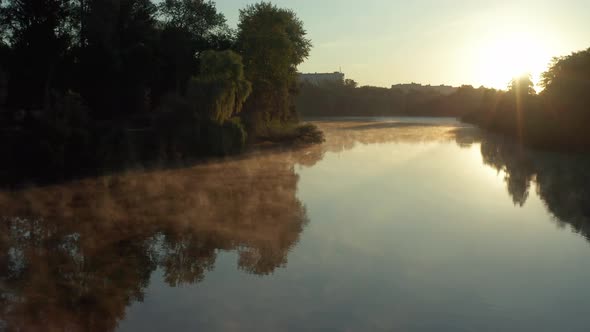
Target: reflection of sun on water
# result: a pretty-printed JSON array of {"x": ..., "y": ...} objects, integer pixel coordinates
[{"x": 509, "y": 55}]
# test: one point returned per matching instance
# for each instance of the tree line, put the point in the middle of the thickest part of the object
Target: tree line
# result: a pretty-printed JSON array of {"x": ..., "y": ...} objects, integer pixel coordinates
[
  {"x": 555, "y": 118},
  {"x": 101, "y": 83}
]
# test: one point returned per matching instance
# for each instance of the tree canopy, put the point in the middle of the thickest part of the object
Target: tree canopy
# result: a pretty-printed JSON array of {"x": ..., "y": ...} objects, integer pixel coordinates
[
  {"x": 272, "y": 42},
  {"x": 522, "y": 85},
  {"x": 96, "y": 84},
  {"x": 221, "y": 89},
  {"x": 567, "y": 83}
]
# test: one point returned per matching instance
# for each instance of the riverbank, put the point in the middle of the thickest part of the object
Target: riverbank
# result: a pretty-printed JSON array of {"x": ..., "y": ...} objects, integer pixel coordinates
[{"x": 43, "y": 150}]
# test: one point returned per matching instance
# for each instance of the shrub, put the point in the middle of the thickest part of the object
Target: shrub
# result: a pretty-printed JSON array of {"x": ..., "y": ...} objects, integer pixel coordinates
[{"x": 221, "y": 88}]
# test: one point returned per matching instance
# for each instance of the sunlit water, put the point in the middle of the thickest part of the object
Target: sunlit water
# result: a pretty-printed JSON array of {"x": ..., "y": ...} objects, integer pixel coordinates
[{"x": 391, "y": 225}]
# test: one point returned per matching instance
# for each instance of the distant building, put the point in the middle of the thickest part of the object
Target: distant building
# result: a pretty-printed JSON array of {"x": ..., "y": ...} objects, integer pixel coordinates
[
  {"x": 441, "y": 89},
  {"x": 319, "y": 78}
]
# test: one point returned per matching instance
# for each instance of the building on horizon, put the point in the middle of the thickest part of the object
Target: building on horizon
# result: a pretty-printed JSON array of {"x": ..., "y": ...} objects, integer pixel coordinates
[
  {"x": 320, "y": 78},
  {"x": 409, "y": 87}
]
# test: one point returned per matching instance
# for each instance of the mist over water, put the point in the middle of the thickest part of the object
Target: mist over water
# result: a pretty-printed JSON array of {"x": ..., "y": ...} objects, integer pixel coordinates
[{"x": 409, "y": 224}]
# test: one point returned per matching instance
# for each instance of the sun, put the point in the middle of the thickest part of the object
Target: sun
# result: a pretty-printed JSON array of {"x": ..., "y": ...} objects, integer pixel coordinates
[{"x": 509, "y": 55}]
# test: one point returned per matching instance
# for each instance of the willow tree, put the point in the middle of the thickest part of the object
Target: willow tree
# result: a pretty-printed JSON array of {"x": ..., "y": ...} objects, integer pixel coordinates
[
  {"x": 221, "y": 89},
  {"x": 272, "y": 42}
]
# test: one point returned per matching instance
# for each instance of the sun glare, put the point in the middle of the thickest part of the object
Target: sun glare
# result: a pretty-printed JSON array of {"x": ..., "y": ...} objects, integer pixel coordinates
[{"x": 509, "y": 55}]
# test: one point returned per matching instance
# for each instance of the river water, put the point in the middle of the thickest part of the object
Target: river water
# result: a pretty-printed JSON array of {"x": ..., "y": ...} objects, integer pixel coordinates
[{"x": 393, "y": 224}]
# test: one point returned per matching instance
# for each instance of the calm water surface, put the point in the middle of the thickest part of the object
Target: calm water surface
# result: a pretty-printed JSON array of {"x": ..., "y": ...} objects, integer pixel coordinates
[{"x": 391, "y": 225}]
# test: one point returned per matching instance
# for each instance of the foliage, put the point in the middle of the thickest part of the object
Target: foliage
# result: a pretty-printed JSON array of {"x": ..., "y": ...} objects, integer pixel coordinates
[
  {"x": 272, "y": 43},
  {"x": 225, "y": 139},
  {"x": 555, "y": 119},
  {"x": 295, "y": 134},
  {"x": 87, "y": 85},
  {"x": 198, "y": 17},
  {"x": 350, "y": 83},
  {"x": 189, "y": 28},
  {"x": 117, "y": 50},
  {"x": 566, "y": 84},
  {"x": 308, "y": 134},
  {"x": 221, "y": 88},
  {"x": 343, "y": 99},
  {"x": 522, "y": 85},
  {"x": 39, "y": 34}
]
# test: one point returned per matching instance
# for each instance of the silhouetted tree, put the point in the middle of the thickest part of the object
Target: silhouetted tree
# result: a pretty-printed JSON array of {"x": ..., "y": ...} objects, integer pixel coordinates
[
  {"x": 39, "y": 33},
  {"x": 117, "y": 55},
  {"x": 522, "y": 85},
  {"x": 350, "y": 83},
  {"x": 189, "y": 28},
  {"x": 566, "y": 83}
]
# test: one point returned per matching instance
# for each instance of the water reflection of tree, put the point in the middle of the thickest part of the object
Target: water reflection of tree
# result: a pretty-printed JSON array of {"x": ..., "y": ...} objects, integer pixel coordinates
[
  {"x": 74, "y": 256},
  {"x": 517, "y": 167},
  {"x": 562, "y": 181},
  {"x": 52, "y": 280}
]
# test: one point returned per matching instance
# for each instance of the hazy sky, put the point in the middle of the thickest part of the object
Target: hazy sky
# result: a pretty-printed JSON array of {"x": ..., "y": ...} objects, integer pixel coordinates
[{"x": 381, "y": 42}]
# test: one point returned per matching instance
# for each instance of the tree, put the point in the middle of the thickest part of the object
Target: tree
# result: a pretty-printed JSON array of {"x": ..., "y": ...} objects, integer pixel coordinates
[
  {"x": 221, "y": 88},
  {"x": 198, "y": 17},
  {"x": 522, "y": 85},
  {"x": 39, "y": 33},
  {"x": 272, "y": 42},
  {"x": 117, "y": 56},
  {"x": 189, "y": 28},
  {"x": 566, "y": 83},
  {"x": 349, "y": 83}
]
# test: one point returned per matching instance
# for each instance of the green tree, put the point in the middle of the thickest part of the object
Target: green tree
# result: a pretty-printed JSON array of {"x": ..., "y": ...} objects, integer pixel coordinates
[
  {"x": 272, "y": 42},
  {"x": 220, "y": 89}
]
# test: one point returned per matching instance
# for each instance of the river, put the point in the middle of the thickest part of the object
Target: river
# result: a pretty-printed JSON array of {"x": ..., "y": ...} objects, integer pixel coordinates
[{"x": 393, "y": 224}]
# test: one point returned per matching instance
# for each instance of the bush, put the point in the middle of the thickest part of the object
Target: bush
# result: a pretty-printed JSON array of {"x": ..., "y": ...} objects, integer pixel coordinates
[
  {"x": 309, "y": 134},
  {"x": 297, "y": 134}
]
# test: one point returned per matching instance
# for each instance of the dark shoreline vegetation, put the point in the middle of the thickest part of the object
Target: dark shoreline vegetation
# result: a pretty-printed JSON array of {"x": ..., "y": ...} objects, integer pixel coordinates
[
  {"x": 91, "y": 86},
  {"x": 556, "y": 118}
]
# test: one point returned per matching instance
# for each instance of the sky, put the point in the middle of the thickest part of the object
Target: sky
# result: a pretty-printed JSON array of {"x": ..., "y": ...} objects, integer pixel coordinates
[{"x": 383, "y": 42}]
